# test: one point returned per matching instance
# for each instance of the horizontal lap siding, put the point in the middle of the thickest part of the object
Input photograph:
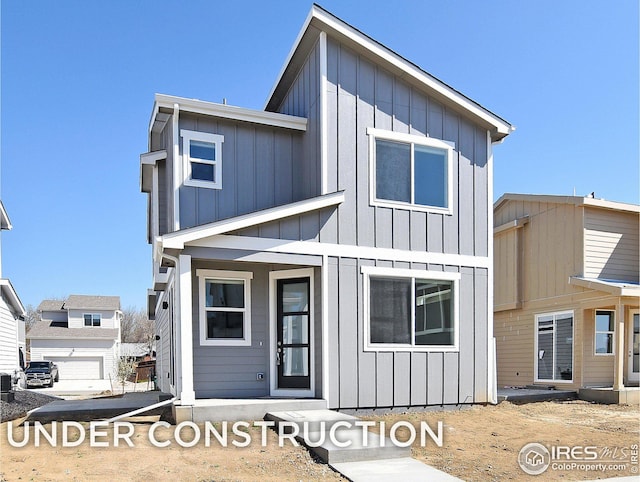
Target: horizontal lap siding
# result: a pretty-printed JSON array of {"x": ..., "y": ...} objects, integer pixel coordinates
[
  {"x": 230, "y": 372},
  {"x": 611, "y": 245},
  {"x": 8, "y": 340},
  {"x": 366, "y": 379}
]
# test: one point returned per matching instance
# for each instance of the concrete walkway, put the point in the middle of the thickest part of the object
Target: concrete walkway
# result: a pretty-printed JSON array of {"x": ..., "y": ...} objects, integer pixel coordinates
[
  {"x": 367, "y": 456},
  {"x": 97, "y": 408},
  {"x": 527, "y": 395}
]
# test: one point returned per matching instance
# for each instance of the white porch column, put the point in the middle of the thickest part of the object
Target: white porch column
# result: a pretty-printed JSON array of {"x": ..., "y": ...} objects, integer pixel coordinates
[
  {"x": 618, "y": 363},
  {"x": 187, "y": 394}
]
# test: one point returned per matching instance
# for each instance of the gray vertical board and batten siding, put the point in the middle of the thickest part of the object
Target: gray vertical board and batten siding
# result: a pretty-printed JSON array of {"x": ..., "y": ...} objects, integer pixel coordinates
[
  {"x": 361, "y": 95},
  {"x": 261, "y": 166}
]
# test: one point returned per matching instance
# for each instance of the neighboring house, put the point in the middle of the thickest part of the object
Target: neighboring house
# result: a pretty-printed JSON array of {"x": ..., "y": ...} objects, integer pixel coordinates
[
  {"x": 12, "y": 313},
  {"x": 566, "y": 291},
  {"x": 336, "y": 245},
  {"x": 138, "y": 351},
  {"x": 80, "y": 334}
]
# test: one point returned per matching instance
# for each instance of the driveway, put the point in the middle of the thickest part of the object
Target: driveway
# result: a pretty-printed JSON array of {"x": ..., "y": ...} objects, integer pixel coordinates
[{"x": 74, "y": 388}]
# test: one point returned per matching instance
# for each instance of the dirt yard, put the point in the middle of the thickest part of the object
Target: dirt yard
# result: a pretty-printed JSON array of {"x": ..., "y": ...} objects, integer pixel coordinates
[{"x": 481, "y": 443}]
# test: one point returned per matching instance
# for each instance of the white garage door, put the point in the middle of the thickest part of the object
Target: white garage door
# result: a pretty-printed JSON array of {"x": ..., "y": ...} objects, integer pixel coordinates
[{"x": 78, "y": 368}]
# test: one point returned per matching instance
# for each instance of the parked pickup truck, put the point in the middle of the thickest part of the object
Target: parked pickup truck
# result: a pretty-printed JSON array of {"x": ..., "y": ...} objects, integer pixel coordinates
[{"x": 41, "y": 373}]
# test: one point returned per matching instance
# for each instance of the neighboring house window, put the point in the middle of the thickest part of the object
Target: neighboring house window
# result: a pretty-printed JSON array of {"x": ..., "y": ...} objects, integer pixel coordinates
[
  {"x": 202, "y": 159},
  {"x": 410, "y": 170},
  {"x": 410, "y": 310},
  {"x": 554, "y": 347},
  {"x": 605, "y": 326},
  {"x": 225, "y": 307},
  {"x": 92, "y": 319}
]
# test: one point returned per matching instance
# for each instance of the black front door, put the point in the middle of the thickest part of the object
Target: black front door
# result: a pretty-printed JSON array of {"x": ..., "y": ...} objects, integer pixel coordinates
[{"x": 293, "y": 350}]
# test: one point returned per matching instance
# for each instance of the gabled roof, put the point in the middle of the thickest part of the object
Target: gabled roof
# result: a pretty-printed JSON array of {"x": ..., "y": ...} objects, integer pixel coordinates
[
  {"x": 575, "y": 200},
  {"x": 5, "y": 223},
  {"x": 51, "y": 305},
  {"x": 50, "y": 329},
  {"x": 320, "y": 20},
  {"x": 11, "y": 297},
  {"x": 78, "y": 302}
]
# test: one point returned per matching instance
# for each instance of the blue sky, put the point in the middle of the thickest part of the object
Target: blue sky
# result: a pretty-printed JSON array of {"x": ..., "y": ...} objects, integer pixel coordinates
[{"x": 78, "y": 80}]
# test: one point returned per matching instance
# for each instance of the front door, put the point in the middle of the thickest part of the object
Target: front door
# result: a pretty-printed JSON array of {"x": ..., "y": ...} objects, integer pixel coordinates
[
  {"x": 293, "y": 337},
  {"x": 634, "y": 348}
]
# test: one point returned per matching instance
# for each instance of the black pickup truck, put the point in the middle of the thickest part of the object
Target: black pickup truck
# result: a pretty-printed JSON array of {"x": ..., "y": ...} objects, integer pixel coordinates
[{"x": 41, "y": 373}]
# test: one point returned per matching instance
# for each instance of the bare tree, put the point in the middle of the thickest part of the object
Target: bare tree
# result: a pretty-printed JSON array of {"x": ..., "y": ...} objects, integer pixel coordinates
[
  {"x": 31, "y": 317},
  {"x": 145, "y": 333},
  {"x": 136, "y": 327}
]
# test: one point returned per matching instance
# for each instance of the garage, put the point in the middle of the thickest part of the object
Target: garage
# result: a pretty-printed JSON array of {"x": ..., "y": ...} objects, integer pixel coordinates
[{"x": 78, "y": 368}]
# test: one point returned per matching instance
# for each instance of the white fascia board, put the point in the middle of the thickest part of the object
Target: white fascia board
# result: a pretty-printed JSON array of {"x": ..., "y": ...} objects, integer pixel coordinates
[
  {"x": 5, "y": 223},
  {"x": 327, "y": 21},
  {"x": 12, "y": 297},
  {"x": 515, "y": 224},
  {"x": 341, "y": 250},
  {"x": 618, "y": 289},
  {"x": 224, "y": 111},
  {"x": 177, "y": 240}
]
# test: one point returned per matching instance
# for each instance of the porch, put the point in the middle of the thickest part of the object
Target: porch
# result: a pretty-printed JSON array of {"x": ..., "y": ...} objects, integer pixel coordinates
[
  {"x": 233, "y": 410},
  {"x": 610, "y": 395}
]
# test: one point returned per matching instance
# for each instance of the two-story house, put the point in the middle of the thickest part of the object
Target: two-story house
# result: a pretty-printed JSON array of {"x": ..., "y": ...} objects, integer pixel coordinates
[
  {"x": 567, "y": 293},
  {"x": 335, "y": 245},
  {"x": 80, "y": 334},
  {"x": 12, "y": 313}
]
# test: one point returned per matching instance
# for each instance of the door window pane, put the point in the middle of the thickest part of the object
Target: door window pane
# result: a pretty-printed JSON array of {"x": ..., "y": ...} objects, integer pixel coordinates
[
  {"x": 295, "y": 329},
  {"x": 393, "y": 171},
  {"x": 430, "y": 176},
  {"x": 295, "y": 361},
  {"x": 564, "y": 348},
  {"x": 636, "y": 343},
  {"x": 295, "y": 297},
  {"x": 555, "y": 347},
  {"x": 390, "y": 310}
]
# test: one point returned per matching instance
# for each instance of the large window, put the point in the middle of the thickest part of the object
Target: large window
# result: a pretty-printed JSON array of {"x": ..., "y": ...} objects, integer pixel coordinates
[
  {"x": 409, "y": 169},
  {"x": 605, "y": 326},
  {"x": 225, "y": 307},
  {"x": 92, "y": 319},
  {"x": 202, "y": 155},
  {"x": 410, "y": 309},
  {"x": 554, "y": 347}
]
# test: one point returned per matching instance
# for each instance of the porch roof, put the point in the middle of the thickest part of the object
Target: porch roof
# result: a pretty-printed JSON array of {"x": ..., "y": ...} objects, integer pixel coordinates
[
  {"x": 178, "y": 239},
  {"x": 615, "y": 287}
]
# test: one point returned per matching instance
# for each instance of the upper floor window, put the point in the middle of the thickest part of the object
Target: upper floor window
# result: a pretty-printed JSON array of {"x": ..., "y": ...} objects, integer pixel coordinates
[
  {"x": 92, "y": 319},
  {"x": 202, "y": 159},
  {"x": 409, "y": 169}
]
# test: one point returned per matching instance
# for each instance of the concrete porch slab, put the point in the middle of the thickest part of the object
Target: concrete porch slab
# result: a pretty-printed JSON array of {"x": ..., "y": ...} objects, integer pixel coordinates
[
  {"x": 233, "y": 410},
  {"x": 624, "y": 396},
  {"x": 392, "y": 470},
  {"x": 528, "y": 395}
]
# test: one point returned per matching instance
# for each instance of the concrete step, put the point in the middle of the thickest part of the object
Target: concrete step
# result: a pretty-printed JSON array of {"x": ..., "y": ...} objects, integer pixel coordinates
[
  {"x": 347, "y": 442},
  {"x": 392, "y": 470},
  {"x": 231, "y": 410}
]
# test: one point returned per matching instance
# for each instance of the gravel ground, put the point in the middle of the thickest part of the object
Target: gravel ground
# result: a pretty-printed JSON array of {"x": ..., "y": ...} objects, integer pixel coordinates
[{"x": 25, "y": 400}]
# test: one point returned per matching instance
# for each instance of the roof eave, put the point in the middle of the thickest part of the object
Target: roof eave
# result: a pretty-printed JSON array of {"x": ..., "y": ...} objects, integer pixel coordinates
[
  {"x": 325, "y": 21},
  {"x": 12, "y": 297}
]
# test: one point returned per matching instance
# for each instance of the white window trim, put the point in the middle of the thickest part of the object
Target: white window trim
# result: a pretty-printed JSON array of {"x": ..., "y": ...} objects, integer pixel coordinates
[
  {"x": 208, "y": 274},
  {"x": 595, "y": 333},
  {"x": 188, "y": 136},
  {"x": 411, "y": 139},
  {"x": 413, "y": 274},
  {"x": 555, "y": 314},
  {"x": 92, "y": 315}
]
